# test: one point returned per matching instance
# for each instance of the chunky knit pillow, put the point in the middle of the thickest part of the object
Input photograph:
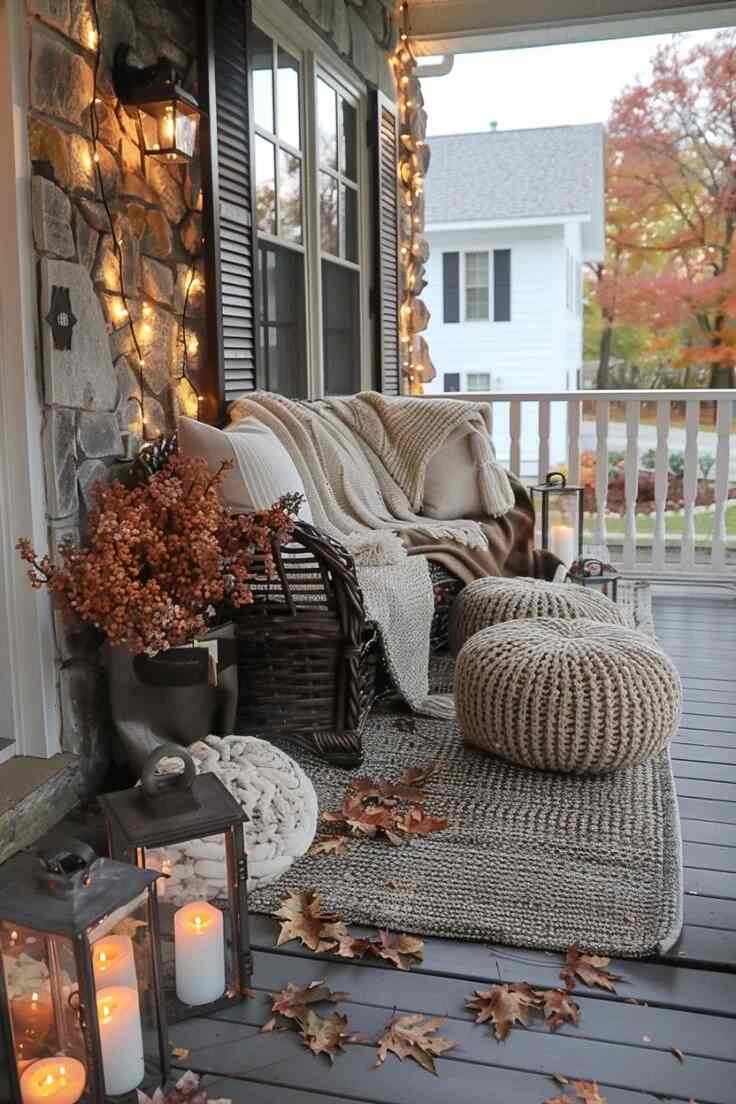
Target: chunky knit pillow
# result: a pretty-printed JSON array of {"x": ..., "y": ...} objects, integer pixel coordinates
[
  {"x": 491, "y": 601},
  {"x": 571, "y": 696}
]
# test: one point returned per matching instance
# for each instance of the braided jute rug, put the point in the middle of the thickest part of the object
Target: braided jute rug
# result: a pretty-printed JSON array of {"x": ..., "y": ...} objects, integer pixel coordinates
[{"x": 530, "y": 859}]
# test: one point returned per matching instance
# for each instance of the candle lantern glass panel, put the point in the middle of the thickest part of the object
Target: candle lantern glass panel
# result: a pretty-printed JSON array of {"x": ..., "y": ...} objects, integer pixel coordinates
[
  {"x": 169, "y": 130},
  {"x": 83, "y": 1016},
  {"x": 190, "y": 828},
  {"x": 558, "y": 509}
]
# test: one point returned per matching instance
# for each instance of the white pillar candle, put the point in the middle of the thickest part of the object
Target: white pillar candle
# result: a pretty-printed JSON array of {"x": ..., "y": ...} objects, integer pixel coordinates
[
  {"x": 58, "y": 1080},
  {"x": 121, "y": 1038},
  {"x": 199, "y": 951},
  {"x": 114, "y": 962},
  {"x": 562, "y": 543}
]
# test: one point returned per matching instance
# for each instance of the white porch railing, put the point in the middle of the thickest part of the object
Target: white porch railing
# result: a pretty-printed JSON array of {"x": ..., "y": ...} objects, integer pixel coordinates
[{"x": 537, "y": 433}]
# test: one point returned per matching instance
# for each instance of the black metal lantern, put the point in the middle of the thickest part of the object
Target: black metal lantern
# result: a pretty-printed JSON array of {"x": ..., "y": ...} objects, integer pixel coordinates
[
  {"x": 560, "y": 518},
  {"x": 168, "y": 115},
  {"x": 592, "y": 572},
  {"x": 190, "y": 827},
  {"x": 80, "y": 996}
]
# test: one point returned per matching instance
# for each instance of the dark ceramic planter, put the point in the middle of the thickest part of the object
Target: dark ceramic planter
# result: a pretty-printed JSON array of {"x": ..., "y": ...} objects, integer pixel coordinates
[{"x": 169, "y": 698}]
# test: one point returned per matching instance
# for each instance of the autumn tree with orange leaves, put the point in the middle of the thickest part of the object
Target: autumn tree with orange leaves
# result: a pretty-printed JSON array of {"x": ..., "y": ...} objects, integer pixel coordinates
[{"x": 670, "y": 265}]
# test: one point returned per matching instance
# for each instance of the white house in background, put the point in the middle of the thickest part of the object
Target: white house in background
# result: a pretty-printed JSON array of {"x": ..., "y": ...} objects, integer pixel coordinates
[{"x": 512, "y": 217}]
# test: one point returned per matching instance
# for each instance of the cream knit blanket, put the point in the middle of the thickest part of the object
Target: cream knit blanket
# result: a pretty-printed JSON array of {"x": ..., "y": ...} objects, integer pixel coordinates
[{"x": 354, "y": 497}]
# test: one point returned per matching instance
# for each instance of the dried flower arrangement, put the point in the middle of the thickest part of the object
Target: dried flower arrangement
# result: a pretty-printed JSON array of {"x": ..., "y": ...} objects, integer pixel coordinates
[{"x": 161, "y": 557}]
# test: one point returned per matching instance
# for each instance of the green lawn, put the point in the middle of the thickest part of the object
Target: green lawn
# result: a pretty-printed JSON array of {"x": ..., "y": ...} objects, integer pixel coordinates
[{"x": 674, "y": 524}]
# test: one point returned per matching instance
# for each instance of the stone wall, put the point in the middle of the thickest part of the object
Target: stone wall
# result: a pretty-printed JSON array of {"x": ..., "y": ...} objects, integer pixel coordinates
[
  {"x": 363, "y": 31},
  {"x": 98, "y": 403}
]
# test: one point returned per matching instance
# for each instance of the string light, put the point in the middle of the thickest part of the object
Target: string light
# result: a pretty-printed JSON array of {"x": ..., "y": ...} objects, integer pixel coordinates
[{"x": 121, "y": 311}]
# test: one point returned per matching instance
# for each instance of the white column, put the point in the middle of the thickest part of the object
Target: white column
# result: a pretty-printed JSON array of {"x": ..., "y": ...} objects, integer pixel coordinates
[
  {"x": 515, "y": 435},
  {"x": 661, "y": 470},
  {"x": 543, "y": 439},
  {"x": 690, "y": 482},
  {"x": 601, "y": 469},
  {"x": 723, "y": 432},
  {"x": 573, "y": 441},
  {"x": 631, "y": 482}
]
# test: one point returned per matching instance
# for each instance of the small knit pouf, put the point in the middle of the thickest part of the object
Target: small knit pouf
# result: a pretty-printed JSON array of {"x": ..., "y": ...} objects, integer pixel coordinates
[
  {"x": 574, "y": 696},
  {"x": 281, "y": 805},
  {"x": 491, "y": 601}
]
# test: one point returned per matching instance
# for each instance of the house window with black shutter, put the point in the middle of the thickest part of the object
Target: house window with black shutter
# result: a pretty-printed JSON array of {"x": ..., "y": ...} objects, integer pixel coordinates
[
  {"x": 451, "y": 287},
  {"x": 501, "y": 285}
]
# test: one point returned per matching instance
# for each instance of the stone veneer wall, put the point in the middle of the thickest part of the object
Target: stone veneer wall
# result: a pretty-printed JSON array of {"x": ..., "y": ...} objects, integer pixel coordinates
[
  {"x": 92, "y": 419},
  {"x": 365, "y": 32}
]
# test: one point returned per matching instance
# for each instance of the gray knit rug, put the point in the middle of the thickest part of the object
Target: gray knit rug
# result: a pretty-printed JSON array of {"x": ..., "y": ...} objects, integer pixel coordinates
[{"x": 530, "y": 859}]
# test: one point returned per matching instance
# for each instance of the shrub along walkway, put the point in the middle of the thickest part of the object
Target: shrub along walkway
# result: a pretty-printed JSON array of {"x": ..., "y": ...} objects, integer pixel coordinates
[{"x": 626, "y": 1041}]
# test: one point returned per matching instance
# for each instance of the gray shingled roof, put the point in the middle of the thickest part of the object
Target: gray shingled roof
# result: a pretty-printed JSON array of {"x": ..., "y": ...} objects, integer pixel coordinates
[{"x": 504, "y": 174}]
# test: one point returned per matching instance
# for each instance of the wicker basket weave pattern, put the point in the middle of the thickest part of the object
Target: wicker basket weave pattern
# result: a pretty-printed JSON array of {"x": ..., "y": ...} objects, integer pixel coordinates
[
  {"x": 492, "y": 601},
  {"x": 573, "y": 696}
]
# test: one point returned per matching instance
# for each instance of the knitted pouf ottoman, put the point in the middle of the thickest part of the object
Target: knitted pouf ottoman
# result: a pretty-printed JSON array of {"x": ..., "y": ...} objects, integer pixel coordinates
[
  {"x": 575, "y": 696},
  {"x": 491, "y": 601},
  {"x": 279, "y": 800}
]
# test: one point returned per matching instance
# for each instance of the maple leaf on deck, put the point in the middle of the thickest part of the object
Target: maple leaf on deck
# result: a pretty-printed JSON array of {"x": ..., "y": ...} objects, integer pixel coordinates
[
  {"x": 504, "y": 1006},
  {"x": 332, "y": 845},
  {"x": 585, "y": 1091},
  {"x": 323, "y": 1034},
  {"x": 302, "y": 918},
  {"x": 399, "y": 949},
  {"x": 591, "y": 969},
  {"x": 413, "y": 1036},
  {"x": 559, "y": 1007},
  {"x": 292, "y": 1001},
  {"x": 337, "y": 940}
]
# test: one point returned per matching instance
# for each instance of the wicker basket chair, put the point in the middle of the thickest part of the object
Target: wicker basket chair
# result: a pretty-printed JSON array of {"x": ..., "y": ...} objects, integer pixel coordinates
[{"x": 307, "y": 656}]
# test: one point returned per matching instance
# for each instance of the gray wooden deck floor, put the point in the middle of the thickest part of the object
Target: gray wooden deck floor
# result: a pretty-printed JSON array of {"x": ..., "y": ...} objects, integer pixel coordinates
[{"x": 687, "y": 1001}]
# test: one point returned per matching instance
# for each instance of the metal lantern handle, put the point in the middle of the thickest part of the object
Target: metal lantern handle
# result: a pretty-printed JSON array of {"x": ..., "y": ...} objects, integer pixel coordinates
[
  {"x": 156, "y": 785},
  {"x": 556, "y": 479}
]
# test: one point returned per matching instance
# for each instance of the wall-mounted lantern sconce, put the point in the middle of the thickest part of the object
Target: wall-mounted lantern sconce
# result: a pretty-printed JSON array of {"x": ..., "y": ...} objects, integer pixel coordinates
[{"x": 168, "y": 115}]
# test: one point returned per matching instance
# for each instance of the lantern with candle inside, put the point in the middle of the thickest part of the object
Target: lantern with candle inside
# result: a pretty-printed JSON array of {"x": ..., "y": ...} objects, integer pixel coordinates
[
  {"x": 558, "y": 510},
  {"x": 168, "y": 115},
  {"x": 189, "y": 827},
  {"x": 80, "y": 1000}
]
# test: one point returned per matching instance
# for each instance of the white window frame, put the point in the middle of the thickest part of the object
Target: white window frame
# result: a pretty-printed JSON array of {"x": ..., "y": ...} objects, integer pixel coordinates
[
  {"x": 28, "y": 656},
  {"x": 477, "y": 253},
  {"x": 281, "y": 23},
  {"x": 478, "y": 390}
]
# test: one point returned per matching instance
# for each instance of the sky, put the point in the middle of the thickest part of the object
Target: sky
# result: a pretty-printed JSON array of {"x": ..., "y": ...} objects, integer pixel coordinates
[{"x": 541, "y": 86}]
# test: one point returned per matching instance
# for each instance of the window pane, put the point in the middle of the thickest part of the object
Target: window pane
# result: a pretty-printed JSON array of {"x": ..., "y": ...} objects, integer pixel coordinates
[
  {"x": 327, "y": 123},
  {"x": 340, "y": 329},
  {"x": 348, "y": 223},
  {"x": 478, "y": 381},
  {"x": 348, "y": 147},
  {"x": 288, "y": 99},
  {"x": 265, "y": 186},
  {"x": 328, "y": 212},
  {"x": 282, "y": 330},
  {"x": 476, "y": 269},
  {"x": 476, "y": 303},
  {"x": 290, "y": 197},
  {"x": 262, "y": 78}
]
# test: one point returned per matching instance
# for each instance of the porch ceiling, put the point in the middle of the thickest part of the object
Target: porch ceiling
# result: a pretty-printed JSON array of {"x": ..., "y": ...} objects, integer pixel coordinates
[{"x": 461, "y": 26}]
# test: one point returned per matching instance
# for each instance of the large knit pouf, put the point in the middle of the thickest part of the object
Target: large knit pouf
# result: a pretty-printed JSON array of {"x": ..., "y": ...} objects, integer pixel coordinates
[
  {"x": 281, "y": 805},
  {"x": 491, "y": 601},
  {"x": 574, "y": 696}
]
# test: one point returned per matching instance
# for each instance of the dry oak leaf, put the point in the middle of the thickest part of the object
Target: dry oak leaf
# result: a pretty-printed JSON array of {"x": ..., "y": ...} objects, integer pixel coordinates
[
  {"x": 323, "y": 1034},
  {"x": 413, "y": 1036},
  {"x": 417, "y": 776},
  {"x": 591, "y": 969},
  {"x": 416, "y": 822},
  {"x": 292, "y": 1002},
  {"x": 399, "y": 949},
  {"x": 559, "y": 1007},
  {"x": 585, "y": 1091},
  {"x": 337, "y": 940},
  {"x": 504, "y": 1006},
  {"x": 302, "y": 918},
  {"x": 331, "y": 845}
]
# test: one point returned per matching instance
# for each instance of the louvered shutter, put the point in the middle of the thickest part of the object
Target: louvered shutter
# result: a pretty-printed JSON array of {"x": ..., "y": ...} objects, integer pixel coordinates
[
  {"x": 451, "y": 287},
  {"x": 230, "y": 228},
  {"x": 386, "y": 299},
  {"x": 501, "y": 285}
]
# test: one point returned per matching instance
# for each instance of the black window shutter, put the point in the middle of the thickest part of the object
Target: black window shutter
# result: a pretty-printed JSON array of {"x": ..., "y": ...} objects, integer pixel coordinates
[
  {"x": 501, "y": 285},
  {"x": 386, "y": 298},
  {"x": 451, "y": 287},
  {"x": 228, "y": 201}
]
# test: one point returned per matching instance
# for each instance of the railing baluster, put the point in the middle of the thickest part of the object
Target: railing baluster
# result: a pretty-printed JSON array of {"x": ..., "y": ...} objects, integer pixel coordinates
[
  {"x": 690, "y": 482},
  {"x": 601, "y": 470},
  {"x": 661, "y": 469},
  {"x": 631, "y": 482},
  {"x": 573, "y": 441},
  {"x": 515, "y": 434},
  {"x": 543, "y": 438},
  {"x": 723, "y": 432}
]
